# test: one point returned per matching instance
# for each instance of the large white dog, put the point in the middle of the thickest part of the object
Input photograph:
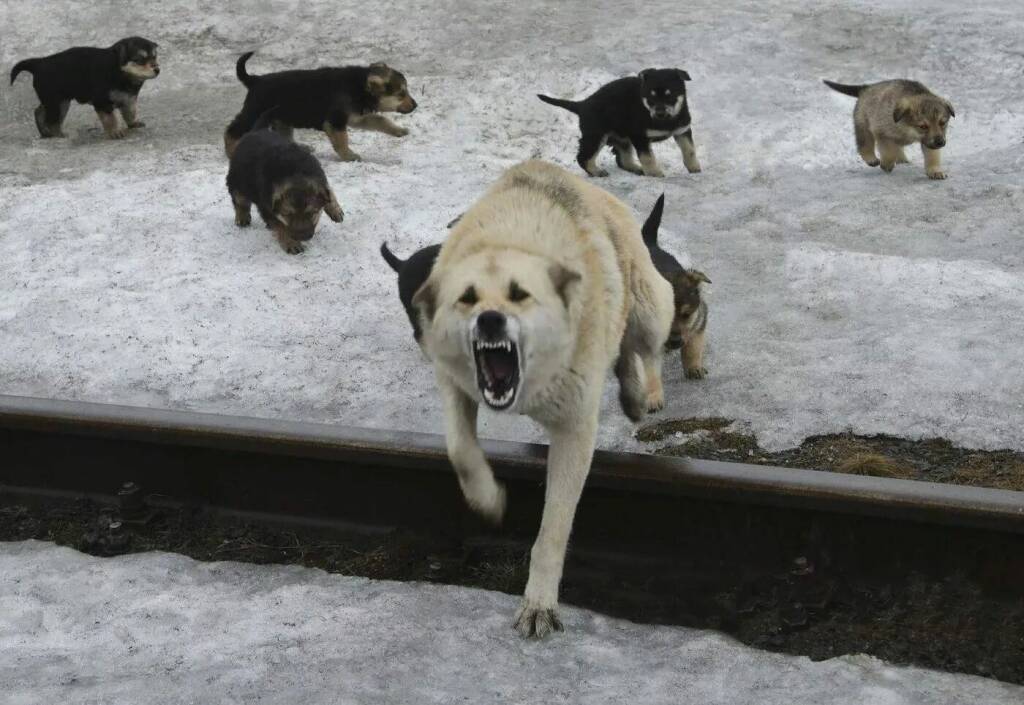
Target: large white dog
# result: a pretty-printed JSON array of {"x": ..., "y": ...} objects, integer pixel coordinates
[{"x": 540, "y": 288}]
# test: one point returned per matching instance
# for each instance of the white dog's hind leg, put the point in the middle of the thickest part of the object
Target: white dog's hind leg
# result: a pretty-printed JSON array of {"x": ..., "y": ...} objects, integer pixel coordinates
[
  {"x": 483, "y": 494},
  {"x": 569, "y": 457},
  {"x": 632, "y": 392}
]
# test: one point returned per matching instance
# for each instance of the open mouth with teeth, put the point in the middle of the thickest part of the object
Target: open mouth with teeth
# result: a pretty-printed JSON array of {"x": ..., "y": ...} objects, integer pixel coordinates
[{"x": 497, "y": 372}]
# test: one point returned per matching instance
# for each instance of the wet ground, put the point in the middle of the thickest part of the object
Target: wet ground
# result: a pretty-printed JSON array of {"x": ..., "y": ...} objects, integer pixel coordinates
[
  {"x": 930, "y": 459},
  {"x": 820, "y": 587}
]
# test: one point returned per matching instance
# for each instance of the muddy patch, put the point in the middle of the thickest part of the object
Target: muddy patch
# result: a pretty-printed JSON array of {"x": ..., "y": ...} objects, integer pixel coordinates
[{"x": 931, "y": 459}]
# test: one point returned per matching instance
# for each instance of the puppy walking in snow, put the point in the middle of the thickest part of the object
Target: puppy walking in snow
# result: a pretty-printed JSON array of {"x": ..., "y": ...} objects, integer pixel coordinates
[
  {"x": 108, "y": 79},
  {"x": 541, "y": 286},
  {"x": 893, "y": 114}
]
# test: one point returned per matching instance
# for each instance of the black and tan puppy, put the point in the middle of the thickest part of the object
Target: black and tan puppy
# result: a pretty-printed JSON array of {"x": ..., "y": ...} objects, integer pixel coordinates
[
  {"x": 631, "y": 113},
  {"x": 327, "y": 99},
  {"x": 284, "y": 181},
  {"x": 108, "y": 79},
  {"x": 691, "y": 311},
  {"x": 412, "y": 273},
  {"x": 894, "y": 114}
]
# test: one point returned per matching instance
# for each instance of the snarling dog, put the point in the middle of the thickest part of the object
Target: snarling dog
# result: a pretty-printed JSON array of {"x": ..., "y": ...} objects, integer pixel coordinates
[
  {"x": 412, "y": 273},
  {"x": 894, "y": 114},
  {"x": 690, "y": 320},
  {"x": 284, "y": 181},
  {"x": 541, "y": 286},
  {"x": 327, "y": 99},
  {"x": 631, "y": 113},
  {"x": 105, "y": 78}
]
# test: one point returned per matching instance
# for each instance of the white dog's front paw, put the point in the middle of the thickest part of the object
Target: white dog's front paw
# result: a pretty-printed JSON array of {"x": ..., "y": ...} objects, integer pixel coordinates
[
  {"x": 486, "y": 499},
  {"x": 536, "y": 620}
]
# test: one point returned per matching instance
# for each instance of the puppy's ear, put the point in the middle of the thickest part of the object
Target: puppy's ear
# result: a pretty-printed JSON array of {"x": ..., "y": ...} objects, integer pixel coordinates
[
  {"x": 699, "y": 276},
  {"x": 949, "y": 107},
  {"x": 644, "y": 74},
  {"x": 425, "y": 300},
  {"x": 901, "y": 110},
  {"x": 683, "y": 75},
  {"x": 562, "y": 278},
  {"x": 377, "y": 79},
  {"x": 121, "y": 48}
]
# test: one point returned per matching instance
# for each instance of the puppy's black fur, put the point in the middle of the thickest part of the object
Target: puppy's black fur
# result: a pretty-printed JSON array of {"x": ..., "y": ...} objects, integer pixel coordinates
[
  {"x": 284, "y": 181},
  {"x": 691, "y": 311},
  {"x": 328, "y": 99},
  {"x": 631, "y": 113},
  {"x": 412, "y": 273},
  {"x": 105, "y": 78}
]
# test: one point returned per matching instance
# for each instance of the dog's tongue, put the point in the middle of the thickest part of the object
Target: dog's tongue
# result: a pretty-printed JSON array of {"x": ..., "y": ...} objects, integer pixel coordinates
[{"x": 501, "y": 365}]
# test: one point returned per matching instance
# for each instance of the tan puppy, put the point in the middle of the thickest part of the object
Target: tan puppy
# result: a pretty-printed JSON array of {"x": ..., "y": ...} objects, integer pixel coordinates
[
  {"x": 541, "y": 286},
  {"x": 893, "y": 114}
]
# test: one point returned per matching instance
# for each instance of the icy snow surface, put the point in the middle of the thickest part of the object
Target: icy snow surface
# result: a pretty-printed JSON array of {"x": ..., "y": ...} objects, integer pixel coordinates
[
  {"x": 161, "y": 628},
  {"x": 843, "y": 298}
]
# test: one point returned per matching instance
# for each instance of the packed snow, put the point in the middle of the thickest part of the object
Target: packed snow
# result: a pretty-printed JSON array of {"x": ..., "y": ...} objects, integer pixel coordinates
[
  {"x": 159, "y": 628},
  {"x": 843, "y": 299}
]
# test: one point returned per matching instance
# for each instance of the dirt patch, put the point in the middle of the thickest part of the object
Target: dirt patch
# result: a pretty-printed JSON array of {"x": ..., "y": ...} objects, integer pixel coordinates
[{"x": 932, "y": 459}]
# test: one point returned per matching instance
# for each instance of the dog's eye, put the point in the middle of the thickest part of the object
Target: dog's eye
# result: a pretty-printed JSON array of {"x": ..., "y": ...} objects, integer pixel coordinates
[
  {"x": 468, "y": 296},
  {"x": 517, "y": 294}
]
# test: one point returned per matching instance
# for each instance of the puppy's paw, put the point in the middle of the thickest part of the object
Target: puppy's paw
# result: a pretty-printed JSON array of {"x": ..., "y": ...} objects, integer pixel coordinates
[
  {"x": 350, "y": 157},
  {"x": 887, "y": 167},
  {"x": 137, "y": 124},
  {"x": 488, "y": 499},
  {"x": 936, "y": 174},
  {"x": 243, "y": 220},
  {"x": 335, "y": 213},
  {"x": 693, "y": 168},
  {"x": 657, "y": 173},
  {"x": 598, "y": 173},
  {"x": 295, "y": 248},
  {"x": 400, "y": 131},
  {"x": 655, "y": 402},
  {"x": 536, "y": 620},
  {"x": 117, "y": 133},
  {"x": 695, "y": 372},
  {"x": 872, "y": 162}
]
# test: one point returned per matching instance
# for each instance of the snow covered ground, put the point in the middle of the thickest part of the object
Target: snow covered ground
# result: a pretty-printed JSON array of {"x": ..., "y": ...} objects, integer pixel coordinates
[
  {"x": 160, "y": 628},
  {"x": 843, "y": 298}
]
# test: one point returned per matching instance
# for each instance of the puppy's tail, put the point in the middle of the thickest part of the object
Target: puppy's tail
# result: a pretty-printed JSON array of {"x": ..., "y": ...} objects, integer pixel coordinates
[
  {"x": 573, "y": 106},
  {"x": 653, "y": 222},
  {"x": 243, "y": 75},
  {"x": 855, "y": 91},
  {"x": 390, "y": 258},
  {"x": 26, "y": 65}
]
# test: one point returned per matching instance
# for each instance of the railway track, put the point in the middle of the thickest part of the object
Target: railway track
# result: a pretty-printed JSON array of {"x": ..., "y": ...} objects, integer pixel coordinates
[{"x": 796, "y": 560}]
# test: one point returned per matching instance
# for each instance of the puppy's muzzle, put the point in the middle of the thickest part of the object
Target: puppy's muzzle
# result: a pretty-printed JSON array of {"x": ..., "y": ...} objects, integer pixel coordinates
[
  {"x": 407, "y": 106},
  {"x": 937, "y": 143}
]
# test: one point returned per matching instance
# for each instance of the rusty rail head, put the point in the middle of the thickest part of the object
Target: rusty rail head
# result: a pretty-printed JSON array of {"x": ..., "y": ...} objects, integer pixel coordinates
[{"x": 926, "y": 502}]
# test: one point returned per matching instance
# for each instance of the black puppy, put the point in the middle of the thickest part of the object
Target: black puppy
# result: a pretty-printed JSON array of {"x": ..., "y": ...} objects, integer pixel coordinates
[
  {"x": 328, "y": 99},
  {"x": 412, "y": 273},
  {"x": 107, "y": 78},
  {"x": 632, "y": 113},
  {"x": 284, "y": 181},
  {"x": 691, "y": 311}
]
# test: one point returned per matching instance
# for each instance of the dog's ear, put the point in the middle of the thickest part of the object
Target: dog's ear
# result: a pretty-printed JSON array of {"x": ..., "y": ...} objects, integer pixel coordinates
[
  {"x": 562, "y": 278},
  {"x": 699, "y": 276},
  {"x": 121, "y": 49},
  {"x": 901, "y": 110},
  {"x": 377, "y": 79},
  {"x": 949, "y": 107},
  {"x": 644, "y": 74},
  {"x": 683, "y": 75},
  {"x": 425, "y": 300}
]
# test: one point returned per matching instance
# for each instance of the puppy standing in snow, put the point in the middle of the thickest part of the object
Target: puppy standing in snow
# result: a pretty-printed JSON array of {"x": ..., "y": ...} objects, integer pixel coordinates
[
  {"x": 893, "y": 114},
  {"x": 541, "y": 286}
]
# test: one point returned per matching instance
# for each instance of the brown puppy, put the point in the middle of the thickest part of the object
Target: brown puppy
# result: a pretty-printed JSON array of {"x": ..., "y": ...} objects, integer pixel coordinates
[{"x": 893, "y": 114}]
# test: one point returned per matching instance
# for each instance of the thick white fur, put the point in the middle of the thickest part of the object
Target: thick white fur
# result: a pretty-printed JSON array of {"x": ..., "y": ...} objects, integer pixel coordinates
[{"x": 594, "y": 296}]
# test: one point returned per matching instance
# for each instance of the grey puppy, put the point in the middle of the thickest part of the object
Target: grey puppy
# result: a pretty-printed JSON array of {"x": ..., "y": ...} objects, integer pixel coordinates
[{"x": 893, "y": 114}]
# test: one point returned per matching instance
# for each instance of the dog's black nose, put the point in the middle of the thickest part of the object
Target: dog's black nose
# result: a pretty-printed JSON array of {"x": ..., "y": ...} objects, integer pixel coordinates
[
  {"x": 491, "y": 324},
  {"x": 938, "y": 143},
  {"x": 156, "y": 70}
]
